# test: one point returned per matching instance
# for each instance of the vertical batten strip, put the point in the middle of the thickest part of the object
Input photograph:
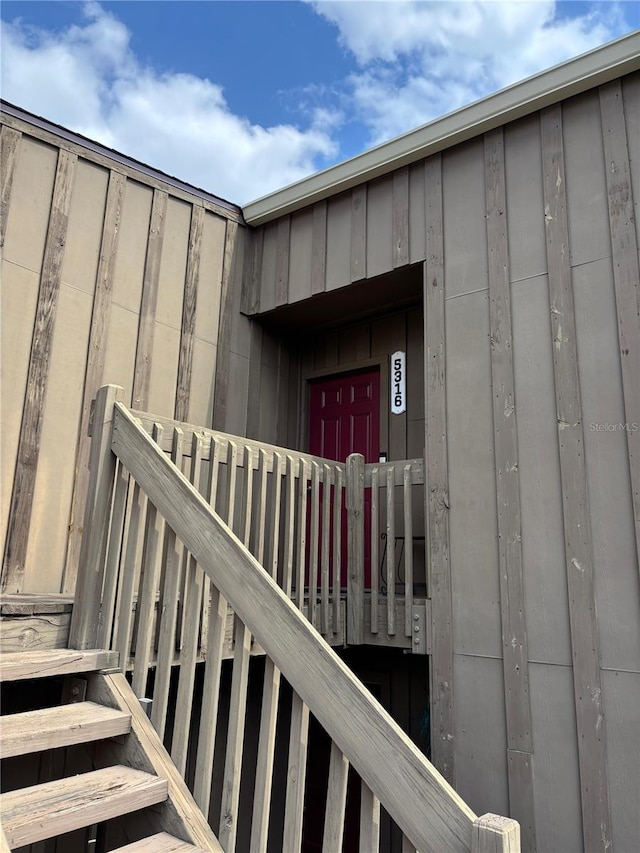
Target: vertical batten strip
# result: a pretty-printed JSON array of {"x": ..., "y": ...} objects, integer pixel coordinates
[
  {"x": 437, "y": 479},
  {"x": 319, "y": 248},
  {"x": 100, "y": 320},
  {"x": 400, "y": 222},
  {"x": 515, "y": 655},
  {"x": 590, "y": 719},
  {"x": 144, "y": 350},
  {"x": 359, "y": 233},
  {"x": 26, "y": 469},
  {"x": 235, "y": 246},
  {"x": 626, "y": 273},
  {"x": 282, "y": 260},
  {"x": 9, "y": 151},
  {"x": 189, "y": 306}
]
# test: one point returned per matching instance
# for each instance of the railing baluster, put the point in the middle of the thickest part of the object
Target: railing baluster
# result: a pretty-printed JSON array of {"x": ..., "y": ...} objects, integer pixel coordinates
[
  {"x": 266, "y": 752},
  {"x": 326, "y": 541},
  {"x": 263, "y": 467},
  {"x": 314, "y": 543},
  {"x": 238, "y": 705},
  {"x": 338, "y": 499},
  {"x": 167, "y": 609},
  {"x": 302, "y": 534},
  {"x": 408, "y": 548},
  {"x": 189, "y": 650},
  {"x": 213, "y": 662},
  {"x": 369, "y": 821},
  {"x": 129, "y": 576},
  {"x": 336, "y": 801},
  {"x": 391, "y": 553},
  {"x": 296, "y": 774},
  {"x": 113, "y": 559},
  {"x": 289, "y": 525},
  {"x": 375, "y": 568},
  {"x": 271, "y": 565},
  {"x": 147, "y": 587}
]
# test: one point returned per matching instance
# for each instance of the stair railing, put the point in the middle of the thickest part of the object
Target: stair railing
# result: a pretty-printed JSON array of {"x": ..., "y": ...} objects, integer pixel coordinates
[{"x": 128, "y": 465}]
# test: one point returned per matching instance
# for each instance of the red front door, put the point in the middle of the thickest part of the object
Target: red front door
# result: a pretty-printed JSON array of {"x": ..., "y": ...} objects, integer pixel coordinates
[{"x": 344, "y": 418}]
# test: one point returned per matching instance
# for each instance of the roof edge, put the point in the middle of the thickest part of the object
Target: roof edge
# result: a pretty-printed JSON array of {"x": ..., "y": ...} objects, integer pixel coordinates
[
  {"x": 577, "y": 75},
  {"x": 117, "y": 157}
]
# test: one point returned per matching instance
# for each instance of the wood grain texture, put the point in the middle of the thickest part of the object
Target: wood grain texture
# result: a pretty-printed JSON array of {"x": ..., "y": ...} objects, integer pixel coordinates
[
  {"x": 354, "y": 478},
  {"x": 146, "y": 327},
  {"x": 49, "y": 728},
  {"x": 400, "y": 224},
  {"x": 22, "y": 494},
  {"x": 85, "y": 620},
  {"x": 626, "y": 273},
  {"x": 282, "y": 260},
  {"x": 189, "y": 308},
  {"x": 17, "y": 666},
  {"x": 369, "y": 821},
  {"x": 296, "y": 775},
  {"x": 414, "y": 794},
  {"x": 98, "y": 334},
  {"x": 143, "y": 749},
  {"x": 161, "y": 842},
  {"x": 319, "y": 248},
  {"x": 49, "y": 631},
  {"x": 336, "y": 801},
  {"x": 358, "y": 233},
  {"x": 437, "y": 480},
  {"x": 591, "y": 726},
  {"x": 232, "y": 267},
  {"x": 53, "y": 808},
  {"x": 515, "y": 654},
  {"x": 495, "y": 834},
  {"x": 9, "y": 151}
]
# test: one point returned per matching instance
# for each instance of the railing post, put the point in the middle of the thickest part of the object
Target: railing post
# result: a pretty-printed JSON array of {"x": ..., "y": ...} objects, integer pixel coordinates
[
  {"x": 355, "y": 549},
  {"x": 102, "y": 465},
  {"x": 492, "y": 833}
]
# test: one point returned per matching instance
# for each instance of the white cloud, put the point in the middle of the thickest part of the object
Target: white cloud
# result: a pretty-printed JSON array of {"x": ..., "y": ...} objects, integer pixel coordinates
[
  {"x": 88, "y": 79},
  {"x": 419, "y": 60}
]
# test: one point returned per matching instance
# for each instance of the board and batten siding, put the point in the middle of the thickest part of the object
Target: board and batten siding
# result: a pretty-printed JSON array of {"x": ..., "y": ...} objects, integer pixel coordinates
[
  {"x": 109, "y": 275},
  {"x": 530, "y": 235}
]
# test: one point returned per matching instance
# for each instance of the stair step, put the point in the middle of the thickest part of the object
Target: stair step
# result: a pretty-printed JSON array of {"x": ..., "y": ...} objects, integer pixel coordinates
[
  {"x": 160, "y": 843},
  {"x": 50, "y": 728},
  {"x": 53, "y": 808},
  {"x": 15, "y": 666}
]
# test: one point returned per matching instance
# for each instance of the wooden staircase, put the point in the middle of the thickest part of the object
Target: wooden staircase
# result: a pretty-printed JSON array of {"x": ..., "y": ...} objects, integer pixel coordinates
[{"x": 133, "y": 783}]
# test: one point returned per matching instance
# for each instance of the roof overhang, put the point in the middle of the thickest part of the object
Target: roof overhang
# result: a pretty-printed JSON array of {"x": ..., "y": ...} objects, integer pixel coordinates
[{"x": 585, "y": 72}]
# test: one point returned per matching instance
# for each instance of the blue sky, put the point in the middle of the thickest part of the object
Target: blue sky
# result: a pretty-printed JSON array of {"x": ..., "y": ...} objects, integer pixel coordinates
[{"x": 244, "y": 97}]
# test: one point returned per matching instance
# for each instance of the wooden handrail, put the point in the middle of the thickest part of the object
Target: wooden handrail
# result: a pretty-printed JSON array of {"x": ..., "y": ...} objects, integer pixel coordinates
[{"x": 416, "y": 796}]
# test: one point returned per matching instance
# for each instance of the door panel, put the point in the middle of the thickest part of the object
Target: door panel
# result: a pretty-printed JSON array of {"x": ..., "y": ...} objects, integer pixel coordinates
[{"x": 344, "y": 418}]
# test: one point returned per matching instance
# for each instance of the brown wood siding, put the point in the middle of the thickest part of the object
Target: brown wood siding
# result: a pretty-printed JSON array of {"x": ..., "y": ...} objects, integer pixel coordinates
[
  {"x": 109, "y": 275},
  {"x": 582, "y": 628}
]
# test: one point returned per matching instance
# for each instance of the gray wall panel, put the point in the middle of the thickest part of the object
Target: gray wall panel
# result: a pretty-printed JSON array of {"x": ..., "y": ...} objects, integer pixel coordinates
[
  {"x": 586, "y": 183},
  {"x": 555, "y": 771},
  {"x": 339, "y": 242},
  {"x": 300, "y": 257},
  {"x": 379, "y": 226},
  {"x": 472, "y": 496},
  {"x": 545, "y": 578},
  {"x": 481, "y": 737},
  {"x": 617, "y": 584}
]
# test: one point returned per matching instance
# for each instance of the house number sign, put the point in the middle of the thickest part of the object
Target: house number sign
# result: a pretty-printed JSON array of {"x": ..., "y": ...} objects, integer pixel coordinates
[{"x": 398, "y": 383}]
